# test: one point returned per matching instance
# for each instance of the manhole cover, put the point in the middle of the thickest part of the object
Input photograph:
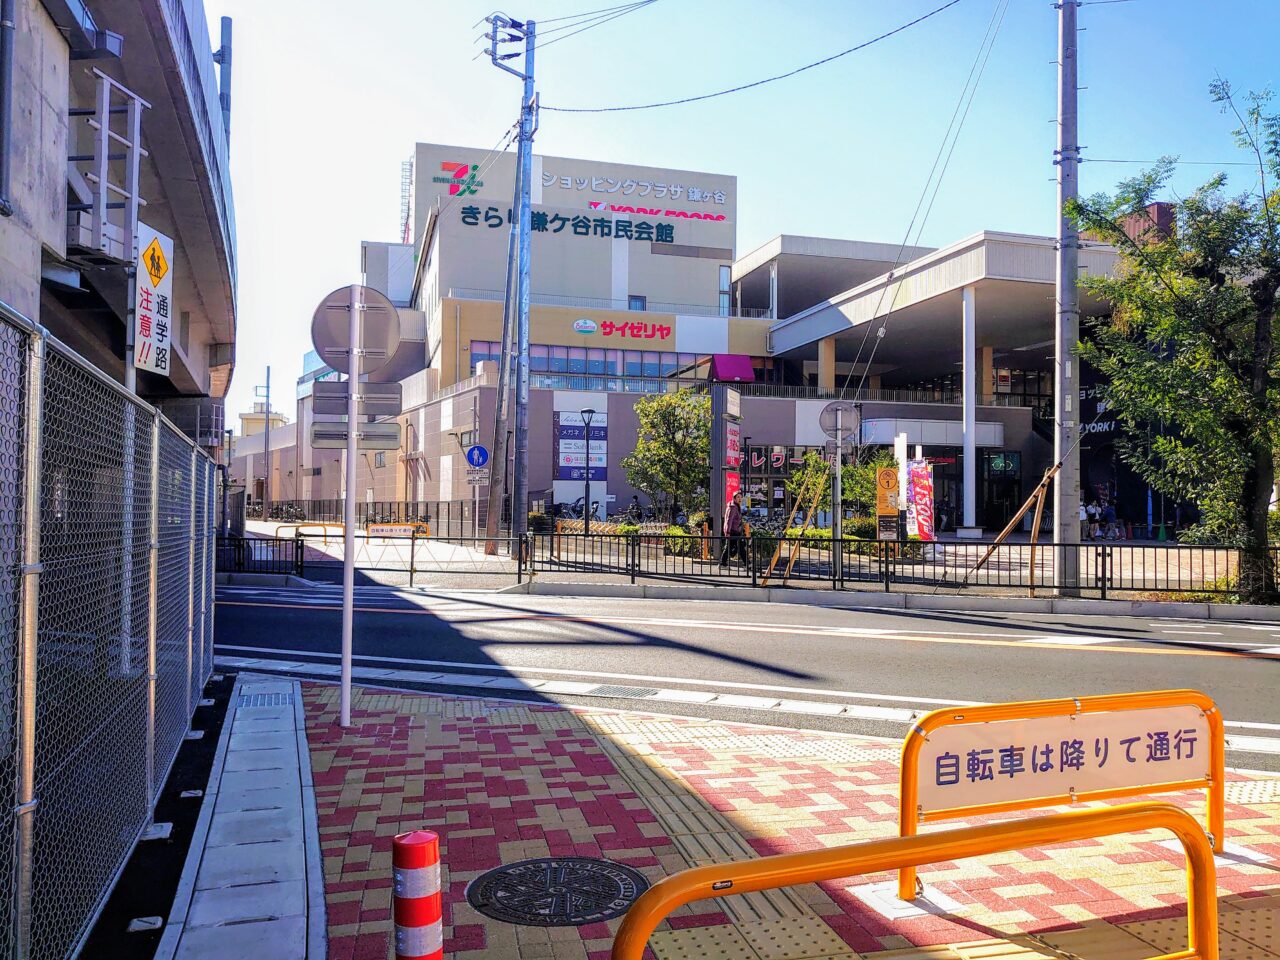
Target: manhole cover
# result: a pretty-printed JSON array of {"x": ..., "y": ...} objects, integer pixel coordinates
[{"x": 556, "y": 891}]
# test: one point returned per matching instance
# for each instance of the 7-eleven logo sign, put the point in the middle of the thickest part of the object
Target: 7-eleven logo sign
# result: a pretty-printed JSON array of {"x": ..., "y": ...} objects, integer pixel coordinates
[{"x": 462, "y": 178}]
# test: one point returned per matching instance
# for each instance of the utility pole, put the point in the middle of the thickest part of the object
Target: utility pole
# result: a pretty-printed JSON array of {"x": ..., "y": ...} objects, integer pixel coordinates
[
  {"x": 1066, "y": 486},
  {"x": 498, "y": 460},
  {"x": 266, "y": 447},
  {"x": 512, "y": 31}
]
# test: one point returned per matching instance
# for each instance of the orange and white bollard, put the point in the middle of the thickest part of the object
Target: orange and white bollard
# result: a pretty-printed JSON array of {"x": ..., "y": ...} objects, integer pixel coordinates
[{"x": 416, "y": 908}]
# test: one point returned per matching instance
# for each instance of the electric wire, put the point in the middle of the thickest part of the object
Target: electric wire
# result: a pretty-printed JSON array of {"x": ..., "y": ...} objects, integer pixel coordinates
[
  {"x": 942, "y": 160},
  {"x": 756, "y": 83},
  {"x": 589, "y": 13},
  {"x": 1176, "y": 162},
  {"x": 598, "y": 22},
  {"x": 599, "y": 16},
  {"x": 499, "y": 148}
]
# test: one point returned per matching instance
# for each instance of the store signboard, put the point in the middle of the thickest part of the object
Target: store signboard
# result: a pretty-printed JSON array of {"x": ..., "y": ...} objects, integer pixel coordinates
[
  {"x": 732, "y": 444},
  {"x": 569, "y": 443}
]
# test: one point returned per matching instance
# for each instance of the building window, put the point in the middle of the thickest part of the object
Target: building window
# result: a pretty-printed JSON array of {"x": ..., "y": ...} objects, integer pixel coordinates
[
  {"x": 725, "y": 290},
  {"x": 380, "y": 459},
  {"x": 637, "y": 302}
]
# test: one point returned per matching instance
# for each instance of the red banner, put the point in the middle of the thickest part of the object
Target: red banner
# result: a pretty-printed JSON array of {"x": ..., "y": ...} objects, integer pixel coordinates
[{"x": 920, "y": 483}]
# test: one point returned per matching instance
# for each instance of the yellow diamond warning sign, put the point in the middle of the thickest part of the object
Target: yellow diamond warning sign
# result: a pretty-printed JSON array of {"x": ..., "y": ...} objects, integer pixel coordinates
[{"x": 154, "y": 261}]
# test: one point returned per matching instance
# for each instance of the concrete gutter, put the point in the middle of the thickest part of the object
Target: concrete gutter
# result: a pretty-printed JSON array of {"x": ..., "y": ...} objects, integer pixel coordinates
[
  {"x": 870, "y": 600},
  {"x": 263, "y": 580}
]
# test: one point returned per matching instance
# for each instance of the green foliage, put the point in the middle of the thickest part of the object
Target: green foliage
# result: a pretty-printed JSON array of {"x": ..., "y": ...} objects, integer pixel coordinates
[
  {"x": 1273, "y": 527},
  {"x": 857, "y": 481},
  {"x": 671, "y": 460},
  {"x": 628, "y": 529},
  {"x": 539, "y": 523},
  {"x": 864, "y": 528},
  {"x": 680, "y": 543},
  {"x": 697, "y": 520},
  {"x": 1191, "y": 345}
]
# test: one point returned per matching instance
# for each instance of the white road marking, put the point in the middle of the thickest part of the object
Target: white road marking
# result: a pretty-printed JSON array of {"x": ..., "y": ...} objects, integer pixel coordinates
[
  {"x": 846, "y": 694},
  {"x": 1071, "y": 640},
  {"x": 506, "y": 681},
  {"x": 1254, "y": 744}
]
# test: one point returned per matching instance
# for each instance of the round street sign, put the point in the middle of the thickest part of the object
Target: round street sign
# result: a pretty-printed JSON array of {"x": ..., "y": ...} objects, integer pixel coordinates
[
  {"x": 331, "y": 327},
  {"x": 477, "y": 456},
  {"x": 848, "y": 420}
]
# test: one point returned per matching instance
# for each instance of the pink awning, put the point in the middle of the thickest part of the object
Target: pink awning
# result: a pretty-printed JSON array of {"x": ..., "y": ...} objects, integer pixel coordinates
[{"x": 732, "y": 367}]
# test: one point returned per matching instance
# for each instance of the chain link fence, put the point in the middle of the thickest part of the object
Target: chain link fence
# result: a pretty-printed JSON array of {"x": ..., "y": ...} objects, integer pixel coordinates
[{"x": 106, "y": 536}]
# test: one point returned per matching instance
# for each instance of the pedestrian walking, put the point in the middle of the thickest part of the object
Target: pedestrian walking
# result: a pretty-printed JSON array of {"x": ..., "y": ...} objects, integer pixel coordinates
[
  {"x": 1110, "y": 526},
  {"x": 1084, "y": 522},
  {"x": 735, "y": 542},
  {"x": 1095, "y": 517}
]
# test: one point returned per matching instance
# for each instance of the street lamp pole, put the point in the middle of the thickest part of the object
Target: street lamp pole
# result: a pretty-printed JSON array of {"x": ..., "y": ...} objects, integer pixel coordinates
[{"x": 587, "y": 416}]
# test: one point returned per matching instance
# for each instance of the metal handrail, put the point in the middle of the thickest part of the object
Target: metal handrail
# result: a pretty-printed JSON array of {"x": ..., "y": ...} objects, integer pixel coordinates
[{"x": 874, "y": 856}]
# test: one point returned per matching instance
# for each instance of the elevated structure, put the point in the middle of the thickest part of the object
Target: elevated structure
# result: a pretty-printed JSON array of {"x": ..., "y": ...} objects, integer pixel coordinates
[{"x": 123, "y": 123}]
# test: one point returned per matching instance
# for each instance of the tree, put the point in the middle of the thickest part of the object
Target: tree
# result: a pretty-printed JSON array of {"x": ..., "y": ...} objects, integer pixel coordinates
[
  {"x": 672, "y": 459},
  {"x": 1189, "y": 350},
  {"x": 857, "y": 481}
]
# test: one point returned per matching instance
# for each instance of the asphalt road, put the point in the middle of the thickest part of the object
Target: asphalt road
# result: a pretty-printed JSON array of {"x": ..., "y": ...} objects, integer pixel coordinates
[{"x": 863, "y": 671}]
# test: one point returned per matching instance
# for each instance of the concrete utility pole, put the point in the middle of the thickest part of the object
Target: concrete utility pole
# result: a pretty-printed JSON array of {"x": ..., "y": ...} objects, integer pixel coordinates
[
  {"x": 502, "y": 412},
  {"x": 266, "y": 450},
  {"x": 513, "y": 30},
  {"x": 1066, "y": 486}
]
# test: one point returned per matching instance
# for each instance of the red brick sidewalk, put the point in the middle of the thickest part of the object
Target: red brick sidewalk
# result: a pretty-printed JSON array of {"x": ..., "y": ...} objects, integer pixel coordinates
[{"x": 506, "y": 782}]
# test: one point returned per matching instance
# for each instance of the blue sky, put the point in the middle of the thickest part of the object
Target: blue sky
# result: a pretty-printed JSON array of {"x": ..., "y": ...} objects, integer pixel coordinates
[{"x": 326, "y": 105}]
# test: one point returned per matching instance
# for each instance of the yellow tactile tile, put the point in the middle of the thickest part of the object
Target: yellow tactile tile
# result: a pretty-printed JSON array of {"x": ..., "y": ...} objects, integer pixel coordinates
[
  {"x": 1259, "y": 926},
  {"x": 1170, "y": 936},
  {"x": 1017, "y": 948},
  {"x": 1098, "y": 941},
  {"x": 803, "y": 938},
  {"x": 722, "y": 942},
  {"x": 939, "y": 952}
]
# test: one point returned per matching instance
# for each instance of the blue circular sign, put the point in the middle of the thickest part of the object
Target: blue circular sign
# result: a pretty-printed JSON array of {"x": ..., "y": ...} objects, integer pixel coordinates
[{"x": 477, "y": 456}]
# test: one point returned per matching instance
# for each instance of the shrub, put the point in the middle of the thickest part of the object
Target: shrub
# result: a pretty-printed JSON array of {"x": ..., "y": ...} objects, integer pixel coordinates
[
  {"x": 679, "y": 543},
  {"x": 628, "y": 529},
  {"x": 697, "y": 519},
  {"x": 862, "y": 528},
  {"x": 540, "y": 523}
]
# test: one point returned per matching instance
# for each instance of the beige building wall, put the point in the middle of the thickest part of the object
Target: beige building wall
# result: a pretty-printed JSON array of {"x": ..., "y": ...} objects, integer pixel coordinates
[{"x": 39, "y": 175}]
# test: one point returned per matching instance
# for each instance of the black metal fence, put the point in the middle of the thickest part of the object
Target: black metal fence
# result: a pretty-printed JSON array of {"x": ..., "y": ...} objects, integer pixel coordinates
[
  {"x": 260, "y": 555},
  {"x": 1101, "y": 570},
  {"x": 1098, "y": 570}
]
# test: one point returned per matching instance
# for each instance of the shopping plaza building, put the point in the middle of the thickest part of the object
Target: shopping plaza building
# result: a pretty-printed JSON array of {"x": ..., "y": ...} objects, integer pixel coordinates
[{"x": 638, "y": 287}]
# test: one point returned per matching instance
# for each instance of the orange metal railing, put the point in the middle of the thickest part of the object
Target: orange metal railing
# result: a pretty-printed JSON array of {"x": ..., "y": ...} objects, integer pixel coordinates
[
  {"x": 766, "y": 873},
  {"x": 910, "y": 815}
]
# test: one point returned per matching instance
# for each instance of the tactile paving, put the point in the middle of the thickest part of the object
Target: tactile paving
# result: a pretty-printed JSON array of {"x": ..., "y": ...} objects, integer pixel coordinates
[
  {"x": 1098, "y": 941},
  {"x": 1015, "y": 948},
  {"x": 1170, "y": 936},
  {"x": 696, "y": 943},
  {"x": 1249, "y": 792},
  {"x": 1261, "y": 927},
  {"x": 938, "y": 952},
  {"x": 801, "y": 938}
]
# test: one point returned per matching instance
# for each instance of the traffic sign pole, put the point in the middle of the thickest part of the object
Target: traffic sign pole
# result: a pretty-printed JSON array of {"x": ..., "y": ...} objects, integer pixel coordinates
[{"x": 349, "y": 505}]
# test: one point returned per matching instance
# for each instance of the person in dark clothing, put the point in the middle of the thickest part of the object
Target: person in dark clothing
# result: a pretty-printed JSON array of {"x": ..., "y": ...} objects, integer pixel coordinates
[{"x": 735, "y": 541}]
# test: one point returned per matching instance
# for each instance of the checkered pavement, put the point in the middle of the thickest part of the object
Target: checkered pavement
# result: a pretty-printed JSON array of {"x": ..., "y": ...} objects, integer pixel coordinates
[{"x": 502, "y": 782}]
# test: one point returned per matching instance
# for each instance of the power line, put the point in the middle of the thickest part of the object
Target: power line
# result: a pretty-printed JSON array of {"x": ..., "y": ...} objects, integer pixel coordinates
[
  {"x": 757, "y": 83},
  {"x": 598, "y": 22},
  {"x": 589, "y": 18},
  {"x": 951, "y": 136},
  {"x": 1180, "y": 163},
  {"x": 499, "y": 148},
  {"x": 586, "y": 13}
]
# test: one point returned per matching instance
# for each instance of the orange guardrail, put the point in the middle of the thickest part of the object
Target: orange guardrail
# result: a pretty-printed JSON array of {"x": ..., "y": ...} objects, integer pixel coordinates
[
  {"x": 910, "y": 813},
  {"x": 873, "y": 856}
]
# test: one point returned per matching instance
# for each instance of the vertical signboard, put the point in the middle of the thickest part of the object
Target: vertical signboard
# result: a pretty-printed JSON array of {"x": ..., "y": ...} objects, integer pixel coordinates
[
  {"x": 570, "y": 443},
  {"x": 153, "y": 302}
]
